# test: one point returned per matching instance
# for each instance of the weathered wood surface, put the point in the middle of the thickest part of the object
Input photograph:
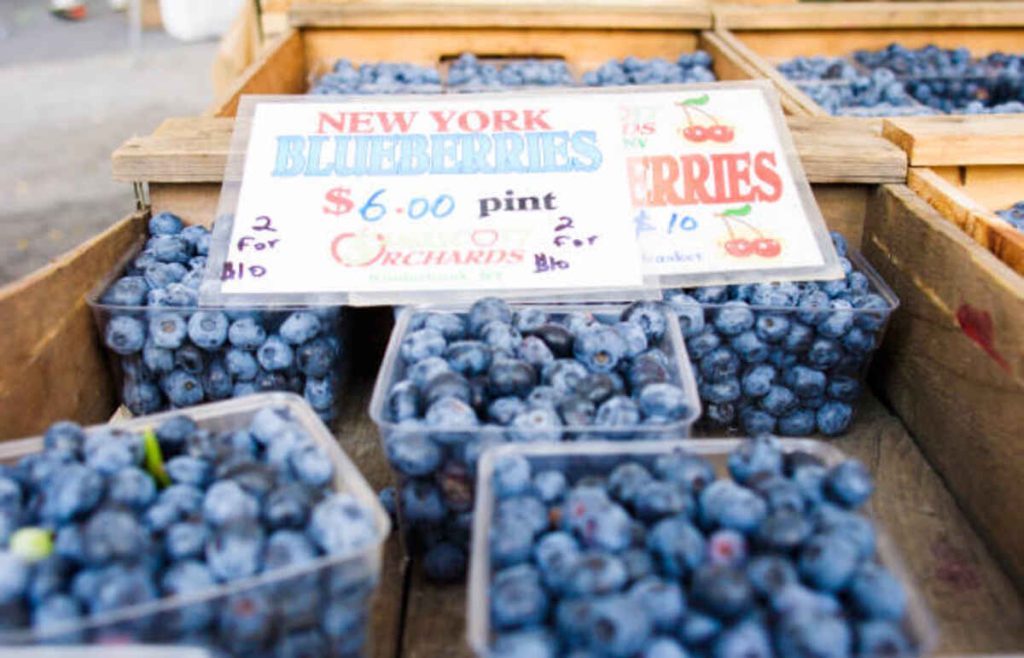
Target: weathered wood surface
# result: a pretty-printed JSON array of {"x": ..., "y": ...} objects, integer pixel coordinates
[
  {"x": 976, "y": 218},
  {"x": 959, "y": 140},
  {"x": 832, "y": 151},
  {"x": 952, "y": 365},
  {"x": 871, "y": 15},
  {"x": 53, "y": 365},
  {"x": 608, "y": 14}
]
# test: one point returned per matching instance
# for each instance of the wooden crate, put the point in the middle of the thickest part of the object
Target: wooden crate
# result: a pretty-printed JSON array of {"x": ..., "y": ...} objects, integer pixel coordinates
[
  {"x": 63, "y": 371},
  {"x": 967, "y": 168},
  {"x": 765, "y": 36},
  {"x": 429, "y": 33}
]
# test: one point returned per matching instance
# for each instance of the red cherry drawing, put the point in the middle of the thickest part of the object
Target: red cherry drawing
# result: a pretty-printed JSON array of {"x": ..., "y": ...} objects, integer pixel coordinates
[
  {"x": 721, "y": 133},
  {"x": 739, "y": 247},
  {"x": 696, "y": 133},
  {"x": 767, "y": 247}
]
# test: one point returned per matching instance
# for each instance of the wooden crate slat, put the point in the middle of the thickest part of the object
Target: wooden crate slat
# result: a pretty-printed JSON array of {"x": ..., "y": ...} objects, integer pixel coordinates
[
  {"x": 959, "y": 140},
  {"x": 660, "y": 15},
  {"x": 952, "y": 364},
  {"x": 49, "y": 340},
  {"x": 978, "y": 221},
  {"x": 861, "y": 15},
  {"x": 280, "y": 69},
  {"x": 832, "y": 151}
]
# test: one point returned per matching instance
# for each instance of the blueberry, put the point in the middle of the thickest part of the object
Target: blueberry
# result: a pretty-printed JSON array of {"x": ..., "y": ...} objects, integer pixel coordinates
[
  {"x": 688, "y": 311},
  {"x": 876, "y": 594},
  {"x": 699, "y": 629},
  {"x": 878, "y": 638},
  {"x": 122, "y": 588},
  {"x": 165, "y": 223},
  {"x": 834, "y": 418},
  {"x": 797, "y": 423},
  {"x": 550, "y": 485},
  {"x": 618, "y": 627},
  {"x": 246, "y": 333},
  {"x": 125, "y": 335},
  {"x": 320, "y": 393},
  {"x": 677, "y": 546},
  {"x": 182, "y": 388},
  {"x": 727, "y": 548},
  {"x": 185, "y": 540},
  {"x": 663, "y": 400},
  {"x": 247, "y": 619},
  {"x": 190, "y": 359},
  {"x": 300, "y": 327},
  {"x": 340, "y": 524},
  {"x": 600, "y": 348},
  {"x": 693, "y": 472},
  {"x": 275, "y": 354},
  {"x": 617, "y": 412},
  {"x": 73, "y": 491},
  {"x": 718, "y": 364},
  {"x": 849, "y": 484},
  {"x": 126, "y": 291},
  {"x": 110, "y": 535},
  {"x": 726, "y": 504},
  {"x": 649, "y": 316},
  {"x": 749, "y": 347},
  {"x": 517, "y": 598},
  {"x": 747, "y": 639},
  {"x": 56, "y": 613},
  {"x": 828, "y": 561},
  {"x": 132, "y": 487},
  {"x": 824, "y": 353},
  {"x": 779, "y": 401},
  {"x": 811, "y": 632},
  {"x": 168, "y": 249},
  {"x": 564, "y": 374},
  {"x": 758, "y": 456},
  {"x": 758, "y": 380},
  {"x": 226, "y": 502},
  {"x": 733, "y": 318},
  {"x": 663, "y": 647},
  {"x": 487, "y": 310},
  {"x": 316, "y": 358},
  {"x": 662, "y": 600},
  {"x": 655, "y": 499},
  {"x": 14, "y": 577},
  {"x": 722, "y": 591},
  {"x": 235, "y": 550},
  {"x": 511, "y": 540},
  {"x": 769, "y": 574}
]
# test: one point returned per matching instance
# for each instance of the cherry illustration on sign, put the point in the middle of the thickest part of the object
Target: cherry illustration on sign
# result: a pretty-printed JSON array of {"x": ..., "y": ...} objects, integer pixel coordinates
[
  {"x": 695, "y": 131},
  {"x": 741, "y": 247}
]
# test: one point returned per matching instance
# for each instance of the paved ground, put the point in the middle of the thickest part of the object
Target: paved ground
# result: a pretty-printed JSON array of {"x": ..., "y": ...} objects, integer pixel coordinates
[{"x": 70, "y": 93}]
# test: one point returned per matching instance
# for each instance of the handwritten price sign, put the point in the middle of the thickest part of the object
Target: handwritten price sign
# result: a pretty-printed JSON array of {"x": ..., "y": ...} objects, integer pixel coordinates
[{"x": 431, "y": 195}]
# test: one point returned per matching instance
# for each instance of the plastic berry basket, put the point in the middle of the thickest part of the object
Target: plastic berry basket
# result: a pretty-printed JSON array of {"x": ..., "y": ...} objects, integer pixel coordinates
[
  {"x": 341, "y": 584},
  {"x": 579, "y": 460},
  {"x": 823, "y": 369},
  {"x": 452, "y": 478},
  {"x": 178, "y": 373}
]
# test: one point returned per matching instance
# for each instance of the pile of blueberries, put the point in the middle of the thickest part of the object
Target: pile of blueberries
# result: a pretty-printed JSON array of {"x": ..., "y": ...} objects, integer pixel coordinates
[
  {"x": 174, "y": 354},
  {"x": 466, "y": 381},
  {"x": 900, "y": 81},
  {"x": 688, "y": 68},
  {"x": 379, "y": 78},
  {"x": 657, "y": 558},
  {"x": 782, "y": 358},
  {"x": 469, "y": 74},
  {"x": 1014, "y": 214},
  {"x": 100, "y": 522}
]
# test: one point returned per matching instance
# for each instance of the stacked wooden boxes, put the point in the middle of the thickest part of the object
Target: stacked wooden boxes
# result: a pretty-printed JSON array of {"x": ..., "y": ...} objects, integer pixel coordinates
[{"x": 955, "y": 405}]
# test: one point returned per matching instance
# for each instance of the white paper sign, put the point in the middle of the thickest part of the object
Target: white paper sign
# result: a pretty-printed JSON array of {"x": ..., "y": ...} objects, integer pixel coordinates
[
  {"x": 570, "y": 192},
  {"x": 432, "y": 194},
  {"x": 717, "y": 193}
]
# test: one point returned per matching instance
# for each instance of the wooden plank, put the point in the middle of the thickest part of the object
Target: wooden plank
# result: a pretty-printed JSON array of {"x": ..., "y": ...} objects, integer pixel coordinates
[
  {"x": 952, "y": 364},
  {"x": 974, "y": 602},
  {"x": 975, "y": 219},
  {"x": 279, "y": 70},
  {"x": 788, "y": 43},
  {"x": 844, "y": 208},
  {"x": 49, "y": 341},
  {"x": 660, "y": 15},
  {"x": 996, "y": 187},
  {"x": 839, "y": 151},
  {"x": 832, "y": 151},
  {"x": 958, "y": 140},
  {"x": 196, "y": 203},
  {"x": 582, "y": 49},
  {"x": 866, "y": 15}
]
